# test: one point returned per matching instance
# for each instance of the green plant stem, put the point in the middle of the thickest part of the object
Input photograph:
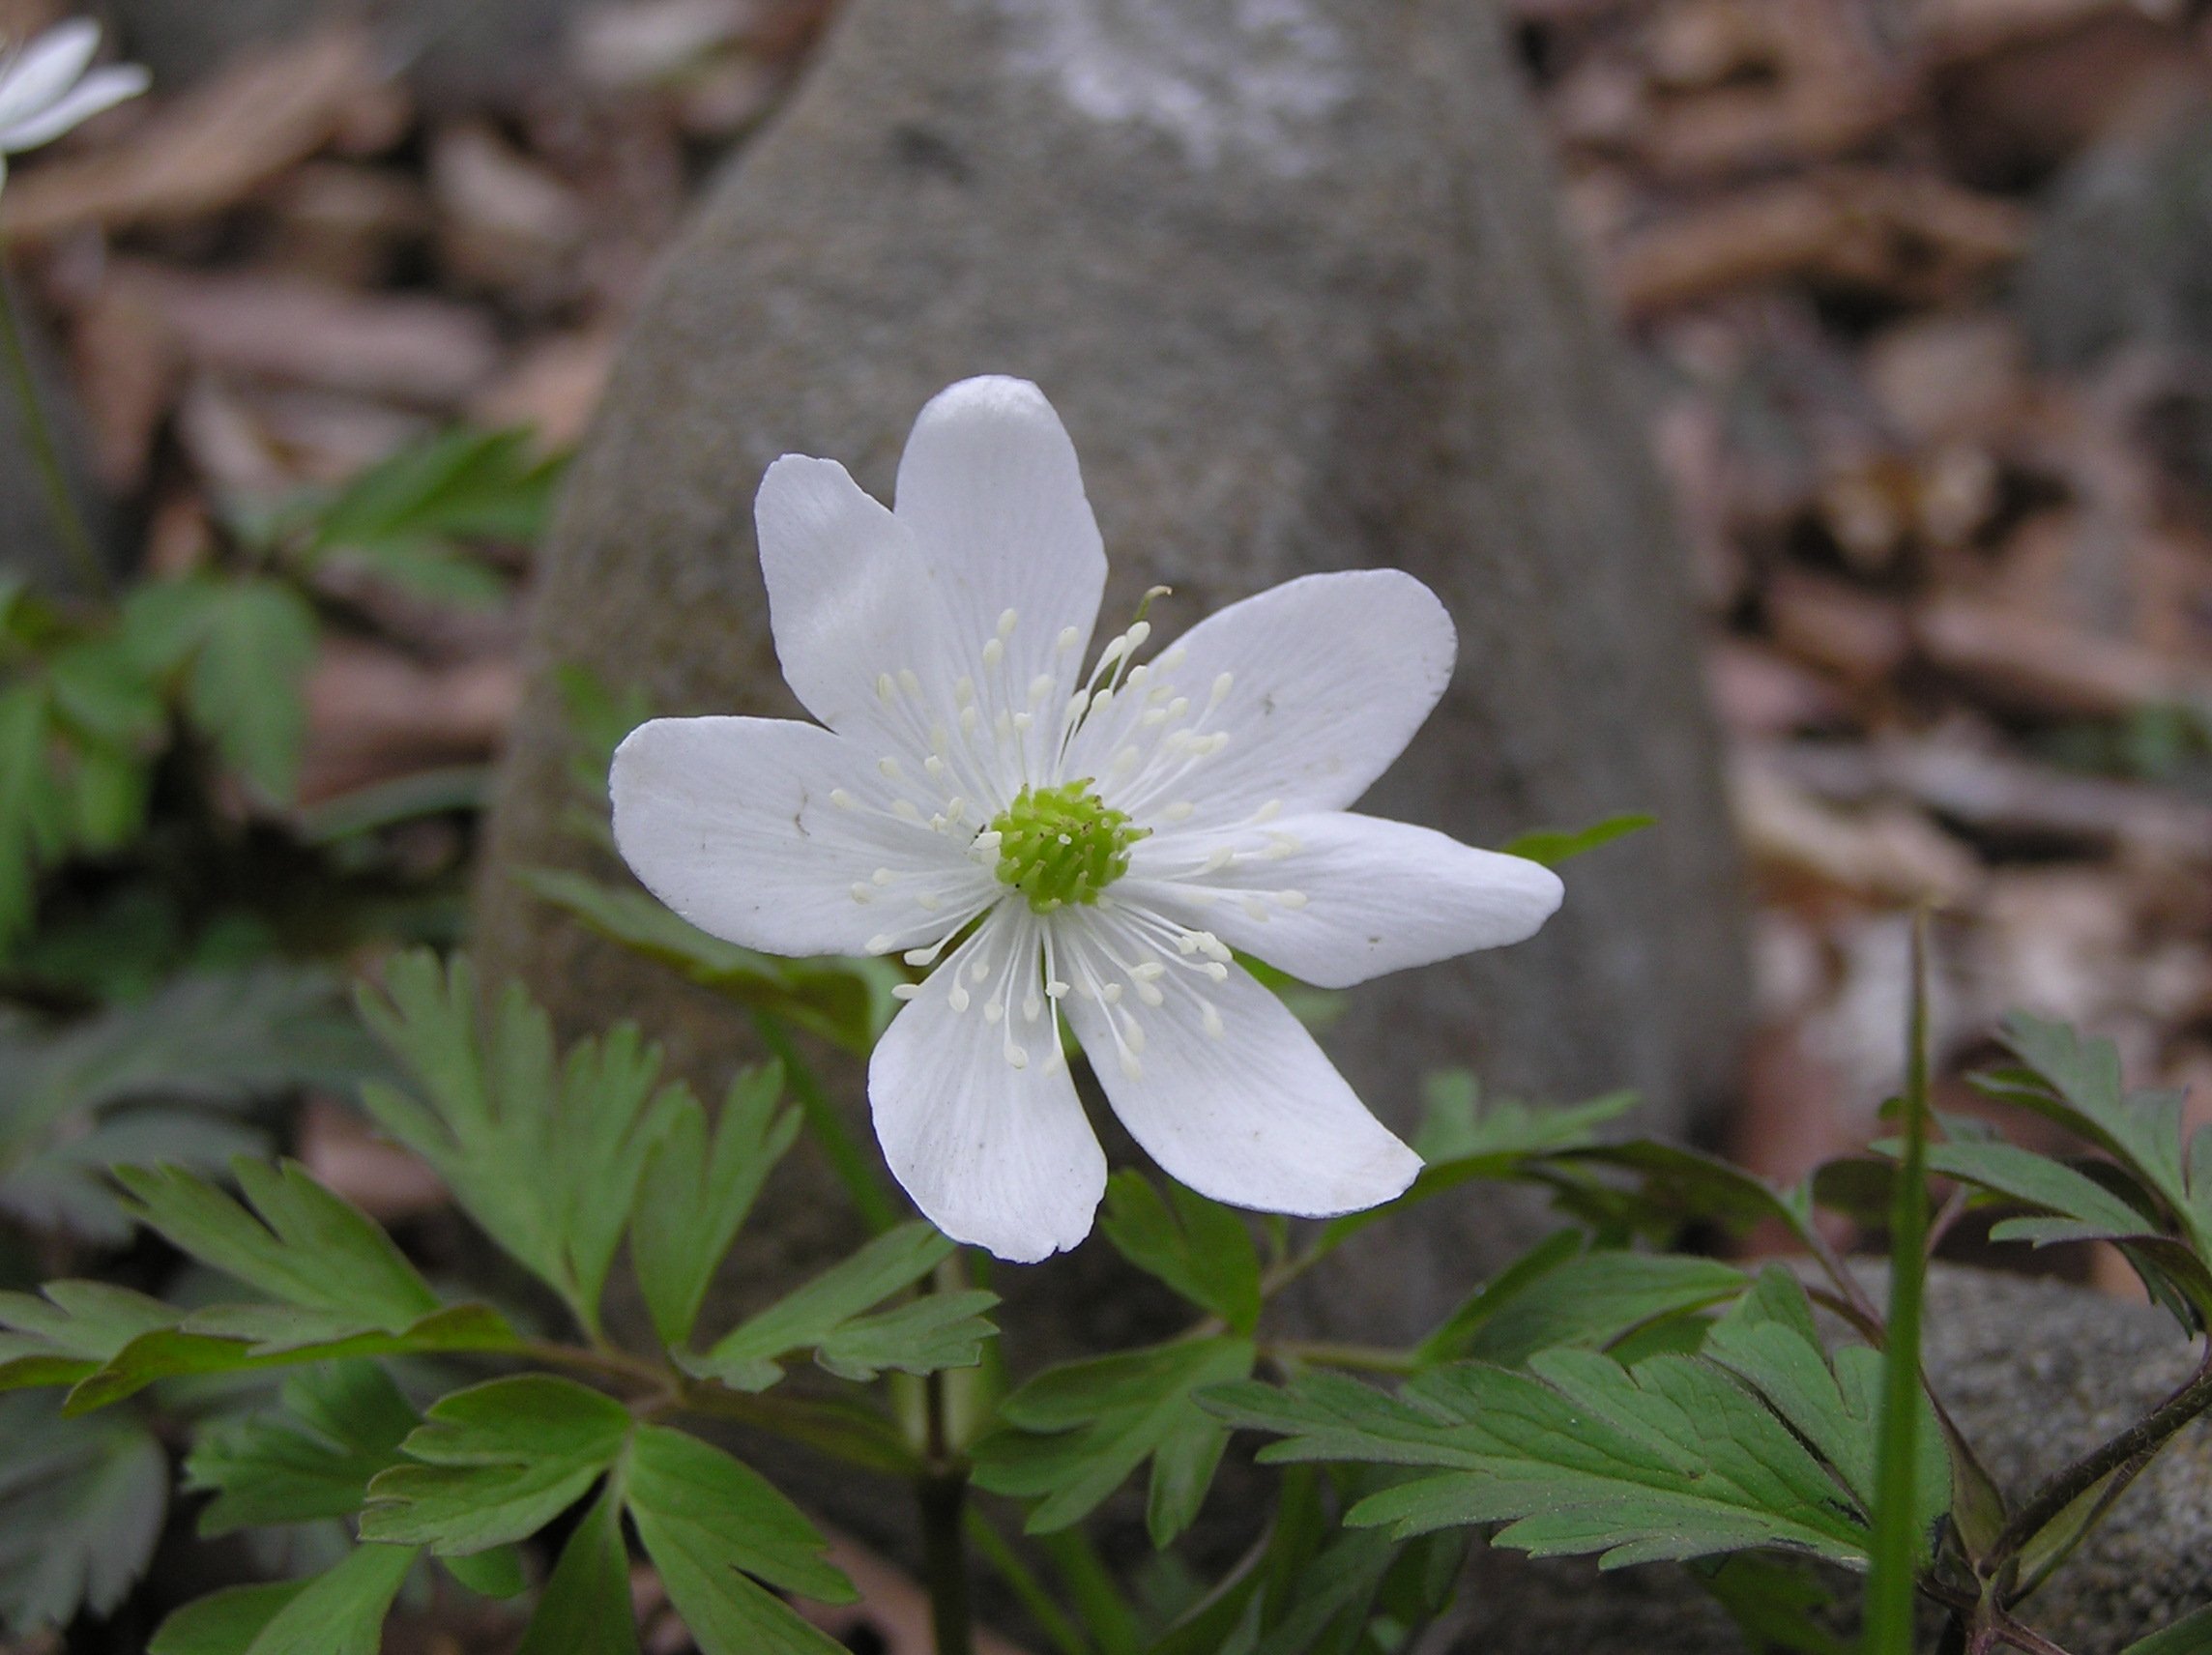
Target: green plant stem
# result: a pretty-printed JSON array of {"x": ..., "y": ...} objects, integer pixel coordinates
[
  {"x": 46, "y": 452},
  {"x": 854, "y": 1169},
  {"x": 1329, "y": 1353},
  {"x": 943, "y": 1495},
  {"x": 1890, "y": 1583},
  {"x": 999, "y": 1552},
  {"x": 2138, "y": 1444}
]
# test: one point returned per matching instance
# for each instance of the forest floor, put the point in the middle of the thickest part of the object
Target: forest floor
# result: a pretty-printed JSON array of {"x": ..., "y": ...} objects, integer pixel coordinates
[{"x": 1920, "y": 292}]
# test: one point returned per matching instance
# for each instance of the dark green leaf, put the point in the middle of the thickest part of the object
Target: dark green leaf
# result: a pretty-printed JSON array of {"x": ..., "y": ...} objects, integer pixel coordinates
[
  {"x": 922, "y": 1336},
  {"x": 338, "y": 1425},
  {"x": 1553, "y": 846},
  {"x": 341, "y": 1611},
  {"x": 495, "y": 1463},
  {"x": 708, "y": 1522},
  {"x": 1198, "y": 1247},
  {"x": 225, "y": 1622},
  {"x": 242, "y": 691},
  {"x": 71, "y": 1332},
  {"x": 81, "y": 1503},
  {"x": 693, "y": 1196},
  {"x": 2191, "y": 1635},
  {"x": 301, "y": 1244},
  {"x": 460, "y": 484},
  {"x": 586, "y": 1605},
  {"x": 1560, "y": 1295},
  {"x": 497, "y": 1573},
  {"x": 492, "y": 1104},
  {"x": 749, "y": 1358},
  {"x": 1773, "y": 1602},
  {"x": 1073, "y": 1434}
]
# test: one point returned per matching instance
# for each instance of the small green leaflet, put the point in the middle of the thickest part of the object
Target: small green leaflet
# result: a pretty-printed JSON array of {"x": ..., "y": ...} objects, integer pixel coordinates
[
  {"x": 301, "y": 1245},
  {"x": 693, "y": 1194},
  {"x": 242, "y": 648},
  {"x": 336, "y": 1426},
  {"x": 1198, "y": 1247},
  {"x": 495, "y": 1463},
  {"x": 1679, "y": 1457},
  {"x": 749, "y": 1358},
  {"x": 585, "y": 1609},
  {"x": 76, "y": 1329},
  {"x": 1552, "y": 846},
  {"x": 925, "y": 1335},
  {"x": 339, "y": 1611},
  {"x": 1561, "y": 1294},
  {"x": 489, "y": 1106},
  {"x": 460, "y": 484},
  {"x": 81, "y": 1504},
  {"x": 2191, "y": 1635},
  {"x": 1073, "y": 1434}
]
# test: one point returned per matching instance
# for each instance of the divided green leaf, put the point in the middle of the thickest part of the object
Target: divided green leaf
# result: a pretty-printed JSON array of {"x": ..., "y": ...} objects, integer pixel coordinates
[
  {"x": 1560, "y": 1294},
  {"x": 585, "y": 1609},
  {"x": 495, "y": 1463},
  {"x": 492, "y": 1104},
  {"x": 1198, "y": 1247},
  {"x": 335, "y": 1427},
  {"x": 693, "y": 1193},
  {"x": 339, "y": 1611},
  {"x": 1071, "y": 1435},
  {"x": 76, "y": 1329},
  {"x": 81, "y": 1504},
  {"x": 751, "y": 1357}
]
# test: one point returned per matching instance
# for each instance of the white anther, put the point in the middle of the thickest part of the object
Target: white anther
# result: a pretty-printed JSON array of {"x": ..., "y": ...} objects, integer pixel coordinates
[
  {"x": 1267, "y": 812},
  {"x": 862, "y": 893},
  {"x": 994, "y": 652},
  {"x": 1130, "y": 1067},
  {"x": 1255, "y": 909},
  {"x": 956, "y": 808},
  {"x": 1008, "y": 620},
  {"x": 883, "y": 876},
  {"x": 1179, "y": 706},
  {"x": 1111, "y": 994},
  {"x": 842, "y": 799},
  {"x": 908, "y": 682},
  {"x": 1279, "y": 846},
  {"x": 1125, "y": 761},
  {"x": 933, "y": 766},
  {"x": 1040, "y": 686},
  {"x": 969, "y": 718},
  {"x": 964, "y": 691},
  {"x": 880, "y": 942},
  {"x": 1138, "y": 633},
  {"x": 1134, "y": 1037},
  {"x": 957, "y": 998},
  {"x": 886, "y": 690},
  {"x": 1022, "y": 721},
  {"x": 1221, "y": 687},
  {"x": 1076, "y": 703},
  {"x": 1033, "y": 1007},
  {"x": 1291, "y": 899},
  {"x": 927, "y": 903},
  {"x": 1212, "y": 946},
  {"x": 1218, "y": 972},
  {"x": 1101, "y": 700},
  {"x": 1181, "y": 810},
  {"x": 1149, "y": 970},
  {"x": 988, "y": 840},
  {"x": 1210, "y": 1018},
  {"x": 1115, "y": 648},
  {"x": 993, "y": 1011},
  {"x": 1186, "y": 945},
  {"x": 1222, "y": 857},
  {"x": 1016, "y": 1056},
  {"x": 1175, "y": 657},
  {"x": 1138, "y": 674},
  {"x": 979, "y": 969},
  {"x": 904, "y": 809},
  {"x": 1004, "y": 726},
  {"x": 890, "y": 769},
  {"x": 1207, "y": 747},
  {"x": 905, "y": 991},
  {"x": 1149, "y": 995},
  {"x": 1056, "y": 990},
  {"x": 1069, "y": 638},
  {"x": 1151, "y": 720}
]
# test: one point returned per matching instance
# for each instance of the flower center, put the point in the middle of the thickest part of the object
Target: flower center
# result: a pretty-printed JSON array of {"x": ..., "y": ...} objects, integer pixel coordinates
[{"x": 1061, "y": 845}]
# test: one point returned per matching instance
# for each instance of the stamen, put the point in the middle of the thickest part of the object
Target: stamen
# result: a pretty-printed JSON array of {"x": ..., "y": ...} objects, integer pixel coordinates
[
  {"x": 909, "y": 683},
  {"x": 1008, "y": 620},
  {"x": 906, "y": 990},
  {"x": 842, "y": 799}
]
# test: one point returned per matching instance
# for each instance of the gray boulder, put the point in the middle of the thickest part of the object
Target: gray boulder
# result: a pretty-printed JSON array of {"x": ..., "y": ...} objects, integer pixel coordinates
[
  {"x": 1294, "y": 277},
  {"x": 2036, "y": 1373}
]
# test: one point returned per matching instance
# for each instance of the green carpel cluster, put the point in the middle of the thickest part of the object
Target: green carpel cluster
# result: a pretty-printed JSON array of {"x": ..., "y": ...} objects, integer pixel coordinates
[{"x": 1061, "y": 845}]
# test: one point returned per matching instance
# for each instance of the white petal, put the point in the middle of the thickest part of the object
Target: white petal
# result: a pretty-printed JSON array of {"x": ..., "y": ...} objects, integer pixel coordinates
[
  {"x": 848, "y": 593},
  {"x": 990, "y": 487},
  {"x": 732, "y": 823},
  {"x": 43, "y": 71},
  {"x": 1254, "y": 1115},
  {"x": 102, "y": 89},
  {"x": 1329, "y": 675},
  {"x": 1335, "y": 898},
  {"x": 997, "y": 1156}
]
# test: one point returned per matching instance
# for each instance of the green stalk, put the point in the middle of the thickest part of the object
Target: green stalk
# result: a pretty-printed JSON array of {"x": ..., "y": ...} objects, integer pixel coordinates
[
  {"x": 1889, "y": 1594},
  {"x": 854, "y": 1169},
  {"x": 46, "y": 452}
]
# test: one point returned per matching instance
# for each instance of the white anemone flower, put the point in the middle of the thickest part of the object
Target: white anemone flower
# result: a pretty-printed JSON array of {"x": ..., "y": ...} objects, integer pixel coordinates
[
  {"x": 46, "y": 91},
  {"x": 1061, "y": 844}
]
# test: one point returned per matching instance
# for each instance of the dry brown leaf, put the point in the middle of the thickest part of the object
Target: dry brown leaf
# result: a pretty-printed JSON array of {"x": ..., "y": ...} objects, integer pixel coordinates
[
  {"x": 1909, "y": 236},
  {"x": 1854, "y": 635},
  {"x": 1758, "y": 693},
  {"x": 206, "y": 152},
  {"x": 129, "y": 368},
  {"x": 1888, "y": 853},
  {"x": 345, "y": 1155},
  {"x": 374, "y": 714},
  {"x": 553, "y": 386},
  {"x": 2027, "y": 663},
  {"x": 427, "y": 351}
]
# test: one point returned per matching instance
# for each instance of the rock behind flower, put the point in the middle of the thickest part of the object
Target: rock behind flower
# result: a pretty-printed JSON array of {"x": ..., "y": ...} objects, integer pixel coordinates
[{"x": 1296, "y": 283}]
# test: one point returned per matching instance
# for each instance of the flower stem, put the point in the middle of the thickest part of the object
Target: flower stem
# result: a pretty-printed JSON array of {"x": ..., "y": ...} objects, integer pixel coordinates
[
  {"x": 46, "y": 452},
  {"x": 943, "y": 1495}
]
